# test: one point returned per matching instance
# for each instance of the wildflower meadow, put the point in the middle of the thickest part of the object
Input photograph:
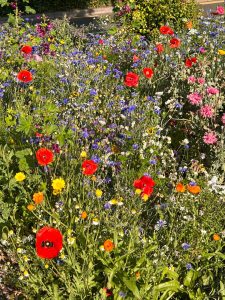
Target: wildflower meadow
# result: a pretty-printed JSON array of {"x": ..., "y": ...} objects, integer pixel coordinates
[{"x": 112, "y": 161}]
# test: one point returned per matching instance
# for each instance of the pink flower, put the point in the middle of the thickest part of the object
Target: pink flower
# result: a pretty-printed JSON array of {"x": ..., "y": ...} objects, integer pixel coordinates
[
  {"x": 210, "y": 138},
  {"x": 191, "y": 79},
  {"x": 223, "y": 119},
  {"x": 37, "y": 58},
  {"x": 201, "y": 80},
  {"x": 195, "y": 98},
  {"x": 212, "y": 91},
  {"x": 202, "y": 50},
  {"x": 220, "y": 10},
  {"x": 206, "y": 111}
]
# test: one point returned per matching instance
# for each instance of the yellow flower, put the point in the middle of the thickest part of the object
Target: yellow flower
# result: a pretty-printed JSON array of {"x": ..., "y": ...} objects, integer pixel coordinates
[
  {"x": 56, "y": 192},
  {"x": 144, "y": 197},
  {"x": 113, "y": 201},
  {"x": 70, "y": 240},
  {"x": 46, "y": 266},
  {"x": 58, "y": 184},
  {"x": 95, "y": 221},
  {"x": 25, "y": 273},
  {"x": 221, "y": 52},
  {"x": 138, "y": 191},
  {"x": 98, "y": 193},
  {"x": 31, "y": 207},
  {"x": 20, "y": 176},
  {"x": 83, "y": 154}
]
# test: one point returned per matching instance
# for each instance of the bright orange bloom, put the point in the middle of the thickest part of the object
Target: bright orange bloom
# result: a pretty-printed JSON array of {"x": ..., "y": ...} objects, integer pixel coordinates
[
  {"x": 180, "y": 188},
  {"x": 194, "y": 189},
  {"x": 31, "y": 207},
  {"x": 108, "y": 245},
  {"x": 83, "y": 215},
  {"x": 38, "y": 197},
  {"x": 137, "y": 275},
  {"x": 189, "y": 25},
  {"x": 216, "y": 237}
]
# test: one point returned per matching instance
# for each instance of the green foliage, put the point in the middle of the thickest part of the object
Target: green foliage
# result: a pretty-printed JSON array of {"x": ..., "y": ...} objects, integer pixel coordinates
[{"x": 145, "y": 16}]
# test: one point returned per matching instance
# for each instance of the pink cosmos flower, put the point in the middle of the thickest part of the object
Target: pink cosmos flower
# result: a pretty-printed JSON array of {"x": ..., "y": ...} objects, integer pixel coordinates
[
  {"x": 191, "y": 79},
  {"x": 223, "y": 119},
  {"x": 212, "y": 91},
  {"x": 195, "y": 98},
  {"x": 206, "y": 111},
  {"x": 210, "y": 138},
  {"x": 220, "y": 10},
  {"x": 201, "y": 80}
]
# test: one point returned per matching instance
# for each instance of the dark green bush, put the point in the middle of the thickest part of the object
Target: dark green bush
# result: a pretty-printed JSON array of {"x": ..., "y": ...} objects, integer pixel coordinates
[{"x": 144, "y": 16}]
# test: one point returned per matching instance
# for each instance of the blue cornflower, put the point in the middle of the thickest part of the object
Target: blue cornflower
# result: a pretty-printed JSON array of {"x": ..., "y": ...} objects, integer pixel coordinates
[
  {"x": 189, "y": 266},
  {"x": 186, "y": 246}
]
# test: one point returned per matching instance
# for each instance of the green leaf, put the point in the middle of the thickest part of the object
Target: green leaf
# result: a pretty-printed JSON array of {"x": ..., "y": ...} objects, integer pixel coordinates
[
  {"x": 172, "y": 285},
  {"x": 222, "y": 290},
  {"x": 190, "y": 278},
  {"x": 112, "y": 30},
  {"x": 29, "y": 10},
  {"x": 4, "y": 3},
  {"x": 131, "y": 285},
  {"x": 25, "y": 124}
]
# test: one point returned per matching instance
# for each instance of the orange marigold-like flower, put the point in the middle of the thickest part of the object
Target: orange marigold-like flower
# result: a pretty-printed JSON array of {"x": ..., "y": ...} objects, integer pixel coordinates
[
  {"x": 108, "y": 245},
  {"x": 84, "y": 215},
  {"x": 194, "y": 189},
  {"x": 38, "y": 197},
  {"x": 216, "y": 237},
  {"x": 180, "y": 188}
]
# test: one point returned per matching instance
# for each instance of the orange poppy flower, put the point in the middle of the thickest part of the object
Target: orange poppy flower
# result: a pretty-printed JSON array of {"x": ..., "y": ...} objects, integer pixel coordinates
[
  {"x": 180, "y": 188},
  {"x": 83, "y": 215},
  {"x": 108, "y": 245},
  {"x": 216, "y": 237},
  {"x": 194, "y": 189},
  {"x": 38, "y": 197}
]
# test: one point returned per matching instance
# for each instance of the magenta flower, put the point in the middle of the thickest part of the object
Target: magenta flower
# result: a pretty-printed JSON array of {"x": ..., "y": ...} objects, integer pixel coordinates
[
  {"x": 220, "y": 10},
  {"x": 206, "y": 111},
  {"x": 201, "y": 80},
  {"x": 210, "y": 138},
  {"x": 191, "y": 79},
  {"x": 223, "y": 119},
  {"x": 212, "y": 91},
  {"x": 195, "y": 98}
]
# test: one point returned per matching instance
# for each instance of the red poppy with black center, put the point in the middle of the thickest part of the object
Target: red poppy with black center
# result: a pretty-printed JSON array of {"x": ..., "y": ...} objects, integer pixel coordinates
[
  {"x": 148, "y": 72},
  {"x": 89, "y": 167},
  {"x": 24, "y": 76},
  {"x": 145, "y": 184},
  {"x": 49, "y": 242},
  {"x": 166, "y": 30},
  {"x": 26, "y": 49},
  {"x": 175, "y": 43},
  {"x": 44, "y": 156},
  {"x": 131, "y": 79}
]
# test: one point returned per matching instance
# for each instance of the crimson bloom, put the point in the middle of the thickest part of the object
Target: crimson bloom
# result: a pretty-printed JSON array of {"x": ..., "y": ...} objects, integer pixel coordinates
[
  {"x": 49, "y": 242},
  {"x": 148, "y": 72},
  {"x": 175, "y": 43},
  {"x": 24, "y": 76},
  {"x": 89, "y": 167},
  {"x": 145, "y": 184},
  {"x": 159, "y": 48},
  {"x": 190, "y": 61},
  {"x": 131, "y": 79},
  {"x": 26, "y": 49},
  {"x": 166, "y": 30},
  {"x": 44, "y": 156}
]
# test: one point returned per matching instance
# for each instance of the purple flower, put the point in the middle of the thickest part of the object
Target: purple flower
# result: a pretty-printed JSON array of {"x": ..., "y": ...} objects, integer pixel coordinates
[
  {"x": 186, "y": 246},
  {"x": 189, "y": 266}
]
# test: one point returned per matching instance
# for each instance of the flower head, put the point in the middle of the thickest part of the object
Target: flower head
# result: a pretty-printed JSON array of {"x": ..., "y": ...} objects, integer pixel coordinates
[
  {"x": 44, "y": 156},
  {"x": 166, "y": 30},
  {"x": 180, "y": 188},
  {"x": 206, "y": 111},
  {"x": 175, "y": 43},
  {"x": 148, "y": 72},
  {"x": 24, "y": 76},
  {"x": 26, "y": 49},
  {"x": 195, "y": 98},
  {"x": 58, "y": 184},
  {"x": 108, "y": 245},
  {"x": 220, "y": 10},
  {"x": 89, "y": 167},
  {"x": 38, "y": 197},
  {"x": 210, "y": 138},
  {"x": 20, "y": 176},
  {"x": 49, "y": 242},
  {"x": 131, "y": 79}
]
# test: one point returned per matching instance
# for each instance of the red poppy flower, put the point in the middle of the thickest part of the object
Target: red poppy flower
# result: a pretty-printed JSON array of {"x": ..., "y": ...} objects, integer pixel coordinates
[
  {"x": 159, "y": 48},
  {"x": 89, "y": 167},
  {"x": 146, "y": 184},
  {"x": 101, "y": 42},
  {"x": 166, "y": 30},
  {"x": 24, "y": 76},
  {"x": 26, "y": 49},
  {"x": 44, "y": 156},
  {"x": 49, "y": 242},
  {"x": 148, "y": 72},
  {"x": 190, "y": 61},
  {"x": 175, "y": 43},
  {"x": 131, "y": 79}
]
